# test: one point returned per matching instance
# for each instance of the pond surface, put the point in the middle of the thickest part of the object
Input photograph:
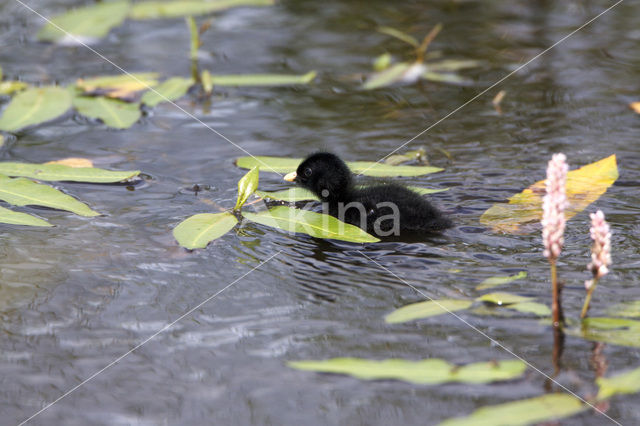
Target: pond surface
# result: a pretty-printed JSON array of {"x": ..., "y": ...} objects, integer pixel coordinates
[{"x": 76, "y": 297}]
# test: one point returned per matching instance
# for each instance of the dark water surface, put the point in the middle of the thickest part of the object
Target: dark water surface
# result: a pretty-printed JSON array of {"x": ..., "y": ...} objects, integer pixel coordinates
[{"x": 75, "y": 297}]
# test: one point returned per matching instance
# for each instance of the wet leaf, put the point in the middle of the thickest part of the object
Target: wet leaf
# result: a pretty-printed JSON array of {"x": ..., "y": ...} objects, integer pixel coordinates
[
  {"x": 419, "y": 155},
  {"x": 176, "y": 9},
  {"x": 311, "y": 223},
  {"x": 623, "y": 383},
  {"x": 496, "y": 281},
  {"x": 629, "y": 309},
  {"x": 290, "y": 195},
  {"x": 524, "y": 412},
  {"x": 73, "y": 162},
  {"x": 400, "y": 35},
  {"x": 25, "y": 192},
  {"x": 616, "y": 331},
  {"x": 428, "y": 371},
  {"x": 247, "y": 186},
  {"x": 368, "y": 168},
  {"x": 113, "y": 112},
  {"x": 426, "y": 309},
  {"x": 16, "y": 218},
  {"x": 391, "y": 75},
  {"x": 61, "y": 172},
  {"x": 85, "y": 23},
  {"x": 123, "y": 86},
  {"x": 11, "y": 87},
  {"x": 382, "y": 62},
  {"x": 34, "y": 106},
  {"x": 523, "y": 212},
  {"x": 169, "y": 90},
  {"x": 452, "y": 65},
  {"x": 425, "y": 191},
  {"x": 535, "y": 308},
  {"x": 449, "y": 78},
  {"x": 262, "y": 79},
  {"x": 502, "y": 298},
  {"x": 199, "y": 230}
]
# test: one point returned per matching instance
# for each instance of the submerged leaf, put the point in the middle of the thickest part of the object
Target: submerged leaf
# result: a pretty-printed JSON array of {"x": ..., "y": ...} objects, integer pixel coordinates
[
  {"x": 176, "y": 9},
  {"x": 290, "y": 195},
  {"x": 262, "y": 79},
  {"x": 124, "y": 86},
  {"x": 168, "y": 91},
  {"x": 616, "y": 331},
  {"x": 623, "y": 383},
  {"x": 428, "y": 371},
  {"x": 199, "y": 230},
  {"x": 502, "y": 298},
  {"x": 16, "y": 218},
  {"x": 524, "y": 412},
  {"x": 61, "y": 172},
  {"x": 584, "y": 186},
  {"x": 368, "y": 168},
  {"x": 311, "y": 223},
  {"x": 35, "y": 106},
  {"x": 629, "y": 309},
  {"x": 89, "y": 22},
  {"x": 113, "y": 112},
  {"x": 426, "y": 309},
  {"x": 531, "y": 308},
  {"x": 496, "y": 281},
  {"x": 23, "y": 192},
  {"x": 247, "y": 186}
]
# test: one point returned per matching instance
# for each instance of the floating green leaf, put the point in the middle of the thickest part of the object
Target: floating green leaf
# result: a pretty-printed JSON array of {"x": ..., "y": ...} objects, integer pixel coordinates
[
  {"x": 524, "y": 412},
  {"x": 123, "y": 86},
  {"x": 34, "y": 106},
  {"x": 199, "y": 230},
  {"x": 262, "y": 79},
  {"x": 17, "y": 218},
  {"x": 311, "y": 223},
  {"x": 531, "y": 308},
  {"x": 452, "y": 65},
  {"x": 11, "y": 87},
  {"x": 168, "y": 91},
  {"x": 23, "y": 192},
  {"x": 85, "y": 22},
  {"x": 502, "y": 298},
  {"x": 427, "y": 309},
  {"x": 439, "y": 77},
  {"x": 629, "y": 309},
  {"x": 623, "y": 383},
  {"x": 617, "y": 331},
  {"x": 290, "y": 195},
  {"x": 425, "y": 191},
  {"x": 175, "y": 9},
  {"x": 247, "y": 186},
  {"x": 59, "y": 172},
  {"x": 419, "y": 155},
  {"x": 428, "y": 371},
  {"x": 113, "y": 112},
  {"x": 387, "y": 77},
  {"x": 400, "y": 35},
  {"x": 496, "y": 281},
  {"x": 368, "y": 168}
]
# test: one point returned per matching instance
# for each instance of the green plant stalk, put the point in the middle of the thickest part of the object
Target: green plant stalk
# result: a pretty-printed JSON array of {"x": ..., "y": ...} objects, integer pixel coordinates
[
  {"x": 194, "y": 46},
  {"x": 555, "y": 302},
  {"x": 587, "y": 300}
]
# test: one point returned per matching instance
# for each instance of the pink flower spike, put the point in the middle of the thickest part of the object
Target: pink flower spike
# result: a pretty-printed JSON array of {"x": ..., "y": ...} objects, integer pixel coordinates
[
  {"x": 553, "y": 205},
  {"x": 601, "y": 250}
]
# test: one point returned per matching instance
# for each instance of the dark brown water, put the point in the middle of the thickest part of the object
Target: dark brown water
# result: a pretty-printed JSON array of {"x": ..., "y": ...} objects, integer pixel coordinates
[{"x": 75, "y": 297}]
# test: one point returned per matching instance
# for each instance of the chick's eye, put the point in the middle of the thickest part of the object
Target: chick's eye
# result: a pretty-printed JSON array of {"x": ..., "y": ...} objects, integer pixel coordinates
[{"x": 307, "y": 172}]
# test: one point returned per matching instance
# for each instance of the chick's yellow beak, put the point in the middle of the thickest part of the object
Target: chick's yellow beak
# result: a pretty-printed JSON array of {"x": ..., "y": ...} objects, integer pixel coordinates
[{"x": 290, "y": 177}]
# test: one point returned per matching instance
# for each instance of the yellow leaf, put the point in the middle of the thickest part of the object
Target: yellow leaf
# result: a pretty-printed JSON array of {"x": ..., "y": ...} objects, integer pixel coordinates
[
  {"x": 635, "y": 106},
  {"x": 73, "y": 162},
  {"x": 124, "y": 86},
  {"x": 524, "y": 210}
]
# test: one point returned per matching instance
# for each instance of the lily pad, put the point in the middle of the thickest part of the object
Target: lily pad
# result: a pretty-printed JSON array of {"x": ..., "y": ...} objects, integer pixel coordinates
[
  {"x": 89, "y": 22},
  {"x": 497, "y": 281},
  {"x": 17, "y": 218},
  {"x": 23, "y": 192},
  {"x": 262, "y": 79},
  {"x": 428, "y": 371},
  {"x": 623, "y": 383},
  {"x": 311, "y": 223},
  {"x": 368, "y": 168},
  {"x": 551, "y": 407},
  {"x": 426, "y": 309},
  {"x": 35, "y": 106},
  {"x": 502, "y": 298},
  {"x": 176, "y": 9},
  {"x": 112, "y": 112},
  {"x": 199, "y": 230},
  {"x": 247, "y": 186},
  {"x": 523, "y": 211},
  {"x": 60, "y": 172},
  {"x": 168, "y": 91},
  {"x": 123, "y": 86}
]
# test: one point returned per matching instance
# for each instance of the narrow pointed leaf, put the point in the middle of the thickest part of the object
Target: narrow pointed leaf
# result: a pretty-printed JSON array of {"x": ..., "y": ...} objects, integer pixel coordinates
[
  {"x": 199, "y": 230},
  {"x": 400, "y": 35},
  {"x": 262, "y": 79},
  {"x": 622, "y": 383},
  {"x": 34, "y": 106},
  {"x": 497, "y": 281},
  {"x": 439, "y": 77},
  {"x": 452, "y": 65},
  {"x": 60, "y": 172},
  {"x": 426, "y": 309},
  {"x": 387, "y": 77},
  {"x": 546, "y": 408},
  {"x": 176, "y": 9},
  {"x": 112, "y": 112},
  {"x": 311, "y": 223},
  {"x": 85, "y": 23},
  {"x": 169, "y": 90},
  {"x": 247, "y": 186},
  {"x": 17, "y": 218},
  {"x": 501, "y": 298},
  {"x": 428, "y": 371},
  {"x": 523, "y": 211},
  {"x": 23, "y": 192},
  {"x": 425, "y": 191}
]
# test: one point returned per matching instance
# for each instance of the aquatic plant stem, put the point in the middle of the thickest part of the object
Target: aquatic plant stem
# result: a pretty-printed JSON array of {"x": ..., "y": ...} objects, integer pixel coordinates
[
  {"x": 555, "y": 294},
  {"x": 587, "y": 300}
]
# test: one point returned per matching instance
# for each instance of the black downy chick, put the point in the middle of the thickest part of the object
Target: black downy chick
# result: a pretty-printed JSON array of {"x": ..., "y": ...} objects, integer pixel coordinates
[{"x": 386, "y": 209}]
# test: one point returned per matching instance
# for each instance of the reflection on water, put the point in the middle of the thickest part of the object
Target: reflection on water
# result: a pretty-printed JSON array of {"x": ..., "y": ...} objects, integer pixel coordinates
[{"x": 75, "y": 297}]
